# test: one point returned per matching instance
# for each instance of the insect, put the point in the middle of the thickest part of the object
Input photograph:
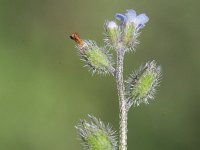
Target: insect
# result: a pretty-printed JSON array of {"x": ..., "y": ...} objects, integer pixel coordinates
[{"x": 77, "y": 39}]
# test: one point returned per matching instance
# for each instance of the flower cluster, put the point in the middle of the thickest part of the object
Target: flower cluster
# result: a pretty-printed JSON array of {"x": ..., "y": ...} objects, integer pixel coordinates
[{"x": 127, "y": 33}]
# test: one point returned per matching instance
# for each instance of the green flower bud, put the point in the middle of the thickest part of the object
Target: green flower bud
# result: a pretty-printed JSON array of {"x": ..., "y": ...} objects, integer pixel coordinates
[
  {"x": 95, "y": 135},
  {"x": 112, "y": 33},
  {"x": 141, "y": 85},
  {"x": 97, "y": 59}
]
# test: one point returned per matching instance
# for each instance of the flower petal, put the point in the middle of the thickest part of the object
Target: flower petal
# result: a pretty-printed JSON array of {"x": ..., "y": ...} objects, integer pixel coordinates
[
  {"x": 121, "y": 17},
  {"x": 131, "y": 15},
  {"x": 141, "y": 20}
]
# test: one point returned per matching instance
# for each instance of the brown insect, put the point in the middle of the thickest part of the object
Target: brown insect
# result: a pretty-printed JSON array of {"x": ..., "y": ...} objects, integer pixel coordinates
[{"x": 77, "y": 39}]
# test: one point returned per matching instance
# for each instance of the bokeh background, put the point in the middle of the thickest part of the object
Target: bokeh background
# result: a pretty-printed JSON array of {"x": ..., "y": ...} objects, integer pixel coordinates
[{"x": 44, "y": 90}]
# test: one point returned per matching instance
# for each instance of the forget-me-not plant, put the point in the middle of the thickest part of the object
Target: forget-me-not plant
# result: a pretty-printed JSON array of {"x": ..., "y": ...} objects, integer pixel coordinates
[{"x": 139, "y": 88}]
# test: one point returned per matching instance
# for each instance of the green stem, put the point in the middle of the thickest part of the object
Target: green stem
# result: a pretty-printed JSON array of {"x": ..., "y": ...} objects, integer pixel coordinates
[{"x": 122, "y": 101}]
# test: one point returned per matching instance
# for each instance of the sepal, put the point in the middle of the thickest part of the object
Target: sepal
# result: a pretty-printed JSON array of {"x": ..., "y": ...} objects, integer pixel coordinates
[
  {"x": 129, "y": 37},
  {"x": 95, "y": 135},
  {"x": 97, "y": 59},
  {"x": 142, "y": 84}
]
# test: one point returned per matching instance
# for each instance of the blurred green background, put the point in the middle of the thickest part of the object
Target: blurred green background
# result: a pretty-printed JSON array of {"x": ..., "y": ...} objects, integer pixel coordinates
[{"x": 44, "y": 90}]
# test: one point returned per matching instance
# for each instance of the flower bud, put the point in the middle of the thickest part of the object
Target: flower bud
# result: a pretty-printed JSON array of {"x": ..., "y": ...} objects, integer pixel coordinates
[
  {"x": 95, "y": 135},
  {"x": 112, "y": 33},
  {"x": 142, "y": 84}
]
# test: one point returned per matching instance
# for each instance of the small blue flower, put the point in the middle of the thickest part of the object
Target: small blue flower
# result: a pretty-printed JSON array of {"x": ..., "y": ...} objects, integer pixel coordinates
[{"x": 131, "y": 18}]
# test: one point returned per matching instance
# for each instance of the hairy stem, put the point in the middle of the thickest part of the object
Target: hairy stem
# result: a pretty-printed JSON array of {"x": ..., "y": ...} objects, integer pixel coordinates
[{"x": 122, "y": 101}]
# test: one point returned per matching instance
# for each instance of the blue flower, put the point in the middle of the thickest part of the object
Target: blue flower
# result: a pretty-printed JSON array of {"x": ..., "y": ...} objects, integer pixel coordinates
[{"x": 131, "y": 18}]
